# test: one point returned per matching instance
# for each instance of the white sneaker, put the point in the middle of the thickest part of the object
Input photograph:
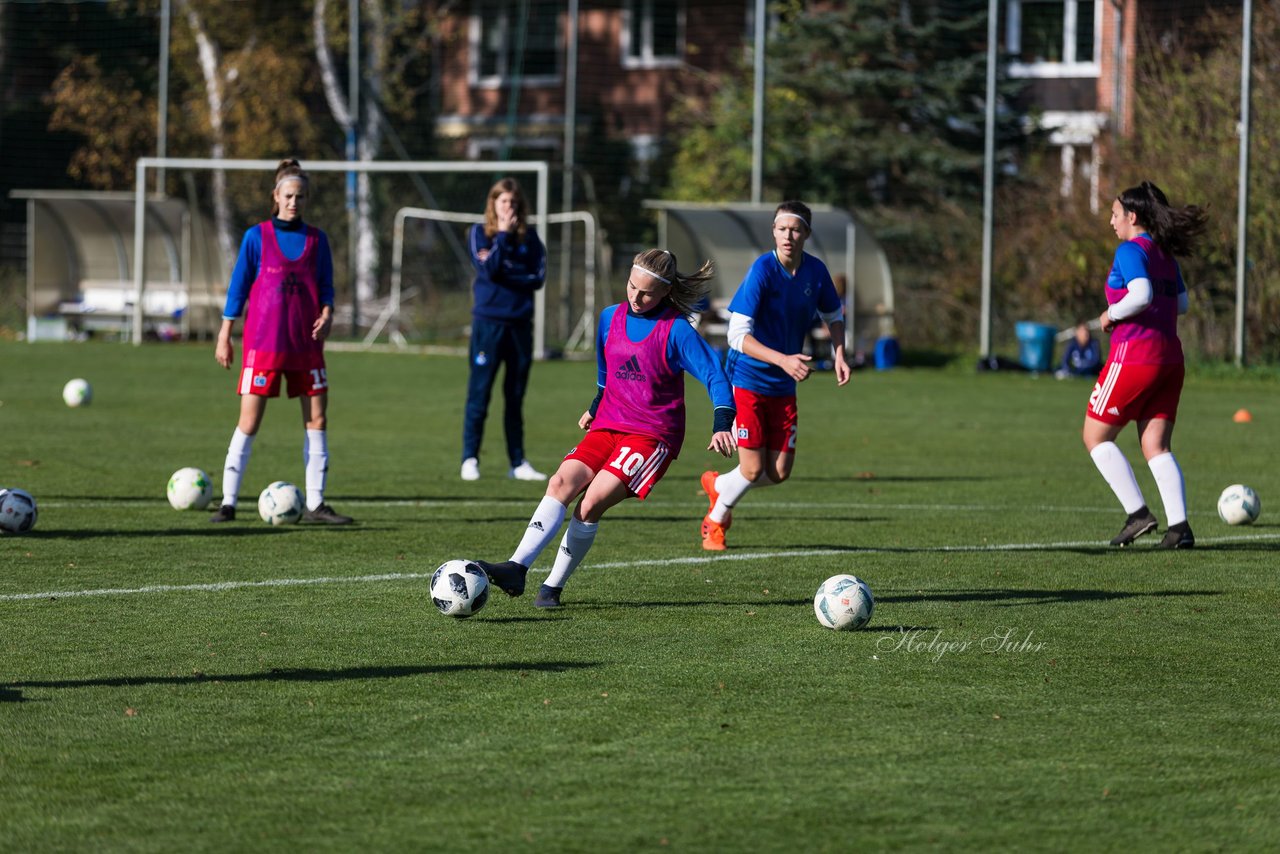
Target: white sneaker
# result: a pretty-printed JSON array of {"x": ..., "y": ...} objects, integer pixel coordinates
[
  {"x": 470, "y": 469},
  {"x": 526, "y": 471}
]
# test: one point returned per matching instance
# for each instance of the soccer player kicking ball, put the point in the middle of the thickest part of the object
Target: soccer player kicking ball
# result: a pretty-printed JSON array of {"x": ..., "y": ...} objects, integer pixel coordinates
[
  {"x": 635, "y": 425},
  {"x": 769, "y": 317}
]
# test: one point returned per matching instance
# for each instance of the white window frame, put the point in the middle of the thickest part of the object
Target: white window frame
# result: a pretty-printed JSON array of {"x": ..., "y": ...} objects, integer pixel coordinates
[
  {"x": 647, "y": 58},
  {"x": 475, "y": 43},
  {"x": 480, "y": 146},
  {"x": 1071, "y": 66}
]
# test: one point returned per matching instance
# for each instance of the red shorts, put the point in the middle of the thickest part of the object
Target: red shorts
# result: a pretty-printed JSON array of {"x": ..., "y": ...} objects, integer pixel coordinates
[
  {"x": 765, "y": 422},
  {"x": 1127, "y": 393},
  {"x": 638, "y": 461},
  {"x": 306, "y": 383}
]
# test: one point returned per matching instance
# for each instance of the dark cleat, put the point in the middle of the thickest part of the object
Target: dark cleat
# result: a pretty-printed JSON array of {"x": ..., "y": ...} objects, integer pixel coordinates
[
  {"x": 1178, "y": 536},
  {"x": 226, "y": 513},
  {"x": 548, "y": 597},
  {"x": 324, "y": 514},
  {"x": 1139, "y": 523},
  {"x": 508, "y": 576}
]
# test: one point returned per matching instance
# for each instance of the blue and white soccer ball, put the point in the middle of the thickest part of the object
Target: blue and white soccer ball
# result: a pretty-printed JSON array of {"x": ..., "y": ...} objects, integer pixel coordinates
[
  {"x": 189, "y": 489},
  {"x": 1239, "y": 505},
  {"x": 17, "y": 511},
  {"x": 77, "y": 392},
  {"x": 281, "y": 503},
  {"x": 844, "y": 603},
  {"x": 459, "y": 588}
]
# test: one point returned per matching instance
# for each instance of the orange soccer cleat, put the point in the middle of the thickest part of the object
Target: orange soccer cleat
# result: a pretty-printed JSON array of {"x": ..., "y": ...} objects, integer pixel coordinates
[
  {"x": 708, "y": 482},
  {"x": 712, "y": 535}
]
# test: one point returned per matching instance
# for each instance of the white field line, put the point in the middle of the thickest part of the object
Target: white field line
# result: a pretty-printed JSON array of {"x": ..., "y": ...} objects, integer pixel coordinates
[{"x": 220, "y": 586}]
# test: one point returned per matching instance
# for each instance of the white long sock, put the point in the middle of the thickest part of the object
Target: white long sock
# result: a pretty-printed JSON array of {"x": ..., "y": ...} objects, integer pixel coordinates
[
  {"x": 731, "y": 486},
  {"x": 315, "y": 459},
  {"x": 1173, "y": 491},
  {"x": 578, "y": 537},
  {"x": 233, "y": 469},
  {"x": 543, "y": 527},
  {"x": 1117, "y": 472}
]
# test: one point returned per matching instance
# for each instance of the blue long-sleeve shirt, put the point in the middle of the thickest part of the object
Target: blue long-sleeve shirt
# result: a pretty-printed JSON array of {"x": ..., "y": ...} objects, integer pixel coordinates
[
  {"x": 508, "y": 276},
  {"x": 686, "y": 351},
  {"x": 292, "y": 237}
]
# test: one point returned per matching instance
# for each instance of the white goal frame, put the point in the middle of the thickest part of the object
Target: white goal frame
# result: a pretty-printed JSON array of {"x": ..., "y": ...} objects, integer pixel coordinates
[
  {"x": 584, "y": 330},
  {"x": 540, "y": 168}
]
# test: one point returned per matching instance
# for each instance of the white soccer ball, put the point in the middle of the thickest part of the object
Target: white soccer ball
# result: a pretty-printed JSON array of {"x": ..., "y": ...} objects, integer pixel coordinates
[
  {"x": 844, "y": 603},
  {"x": 281, "y": 503},
  {"x": 1239, "y": 505},
  {"x": 17, "y": 511},
  {"x": 459, "y": 588},
  {"x": 190, "y": 489},
  {"x": 77, "y": 392}
]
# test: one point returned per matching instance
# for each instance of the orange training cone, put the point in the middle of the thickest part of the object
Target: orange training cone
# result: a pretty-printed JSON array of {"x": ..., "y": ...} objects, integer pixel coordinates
[{"x": 1242, "y": 416}]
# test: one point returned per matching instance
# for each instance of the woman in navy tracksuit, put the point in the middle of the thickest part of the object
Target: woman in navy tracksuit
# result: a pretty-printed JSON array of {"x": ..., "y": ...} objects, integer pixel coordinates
[{"x": 511, "y": 263}]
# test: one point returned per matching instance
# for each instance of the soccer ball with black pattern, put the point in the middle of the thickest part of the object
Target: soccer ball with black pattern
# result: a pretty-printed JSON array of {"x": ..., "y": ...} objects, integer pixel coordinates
[
  {"x": 844, "y": 603},
  {"x": 1239, "y": 505},
  {"x": 281, "y": 503},
  {"x": 459, "y": 588},
  {"x": 17, "y": 511}
]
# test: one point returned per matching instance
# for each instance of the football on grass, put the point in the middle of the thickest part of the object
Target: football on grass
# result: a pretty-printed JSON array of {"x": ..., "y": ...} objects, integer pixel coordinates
[
  {"x": 190, "y": 489},
  {"x": 459, "y": 588},
  {"x": 17, "y": 511},
  {"x": 77, "y": 392},
  {"x": 281, "y": 503},
  {"x": 1239, "y": 505},
  {"x": 844, "y": 603}
]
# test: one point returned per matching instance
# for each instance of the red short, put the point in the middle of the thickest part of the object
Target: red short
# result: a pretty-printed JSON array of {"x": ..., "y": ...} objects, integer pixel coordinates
[
  {"x": 306, "y": 383},
  {"x": 765, "y": 422},
  {"x": 638, "y": 461},
  {"x": 1127, "y": 393}
]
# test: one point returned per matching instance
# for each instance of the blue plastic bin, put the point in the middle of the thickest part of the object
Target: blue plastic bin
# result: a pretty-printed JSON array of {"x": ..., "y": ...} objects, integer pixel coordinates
[
  {"x": 1035, "y": 345},
  {"x": 887, "y": 353}
]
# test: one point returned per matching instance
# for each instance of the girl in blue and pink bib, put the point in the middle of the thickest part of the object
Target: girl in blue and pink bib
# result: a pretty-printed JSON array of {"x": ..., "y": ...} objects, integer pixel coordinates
[
  {"x": 283, "y": 284},
  {"x": 1142, "y": 380},
  {"x": 635, "y": 426}
]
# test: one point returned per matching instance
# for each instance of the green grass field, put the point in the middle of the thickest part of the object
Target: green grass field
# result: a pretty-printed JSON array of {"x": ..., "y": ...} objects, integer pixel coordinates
[{"x": 170, "y": 685}]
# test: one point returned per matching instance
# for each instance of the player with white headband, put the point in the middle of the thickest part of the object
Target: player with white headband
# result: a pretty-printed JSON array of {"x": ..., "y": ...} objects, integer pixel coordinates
[
  {"x": 769, "y": 319},
  {"x": 635, "y": 425}
]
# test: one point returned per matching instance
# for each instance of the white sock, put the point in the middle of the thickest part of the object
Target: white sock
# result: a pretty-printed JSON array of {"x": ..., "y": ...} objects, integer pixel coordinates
[
  {"x": 543, "y": 527},
  {"x": 731, "y": 486},
  {"x": 1173, "y": 492},
  {"x": 1118, "y": 474},
  {"x": 315, "y": 459},
  {"x": 578, "y": 537},
  {"x": 233, "y": 469}
]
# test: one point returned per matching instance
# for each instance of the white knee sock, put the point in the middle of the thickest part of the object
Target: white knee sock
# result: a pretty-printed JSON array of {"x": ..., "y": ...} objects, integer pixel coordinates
[
  {"x": 315, "y": 459},
  {"x": 543, "y": 527},
  {"x": 578, "y": 537},
  {"x": 1173, "y": 492},
  {"x": 1118, "y": 474},
  {"x": 731, "y": 486},
  {"x": 233, "y": 469}
]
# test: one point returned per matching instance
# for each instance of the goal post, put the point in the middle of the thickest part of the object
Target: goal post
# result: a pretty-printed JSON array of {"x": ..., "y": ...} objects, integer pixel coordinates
[
  {"x": 539, "y": 168},
  {"x": 583, "y": 333}
]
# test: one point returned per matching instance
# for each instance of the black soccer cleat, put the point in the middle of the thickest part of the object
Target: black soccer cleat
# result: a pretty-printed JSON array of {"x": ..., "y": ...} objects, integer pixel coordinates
[
  {"x": 326, "y": 515},
  {"x": 548, "y": 597},
  {"x": 1141, "y": 522},
  {"x": 1178, "y": 536},
  {"x": 226, "y": 513},
  {"x": 508, "y": 576}
]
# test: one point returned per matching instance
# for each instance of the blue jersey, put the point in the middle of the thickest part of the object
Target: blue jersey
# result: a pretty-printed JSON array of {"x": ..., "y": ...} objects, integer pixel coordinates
[
  {"x": 782, "y": 308},
  {"x": 686, "y": 351},
  {"x": 292, "y": 239},
  {"x": 507, "y": 277}
]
